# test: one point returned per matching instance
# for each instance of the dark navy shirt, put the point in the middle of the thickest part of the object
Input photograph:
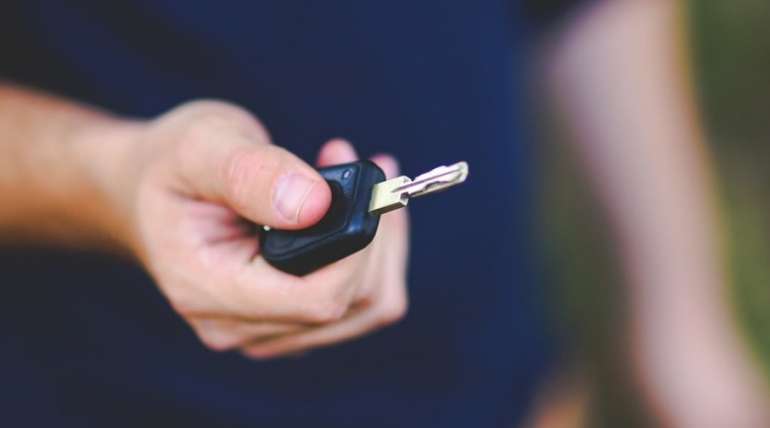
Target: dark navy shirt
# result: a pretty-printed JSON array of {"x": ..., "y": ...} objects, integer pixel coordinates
[{"x": 89, "y": 341}]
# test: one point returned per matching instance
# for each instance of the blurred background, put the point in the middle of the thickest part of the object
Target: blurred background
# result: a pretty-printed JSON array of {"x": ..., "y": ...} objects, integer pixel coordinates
[{"x": 729, "y": 45}]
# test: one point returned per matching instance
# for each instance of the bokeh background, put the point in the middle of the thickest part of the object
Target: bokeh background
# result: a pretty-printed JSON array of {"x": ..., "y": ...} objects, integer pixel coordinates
[{"x": 730, "y": 52}]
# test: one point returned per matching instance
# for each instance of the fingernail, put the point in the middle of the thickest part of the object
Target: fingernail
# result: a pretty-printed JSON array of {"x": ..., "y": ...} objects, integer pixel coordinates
[{"x": 290, "y": 195}]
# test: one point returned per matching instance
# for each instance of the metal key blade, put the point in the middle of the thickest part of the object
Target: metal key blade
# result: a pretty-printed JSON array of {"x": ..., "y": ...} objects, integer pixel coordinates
[
  {"x": 396, "y": 192},
  {"x": 435, "y": 180}
]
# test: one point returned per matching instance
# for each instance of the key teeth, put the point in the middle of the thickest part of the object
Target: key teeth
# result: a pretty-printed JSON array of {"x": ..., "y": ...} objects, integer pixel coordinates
[{"x": 459, "y": 167}]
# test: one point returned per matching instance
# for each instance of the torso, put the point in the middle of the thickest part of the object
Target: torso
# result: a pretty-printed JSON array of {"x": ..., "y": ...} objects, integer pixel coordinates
[{"x": 431, "y": 82}]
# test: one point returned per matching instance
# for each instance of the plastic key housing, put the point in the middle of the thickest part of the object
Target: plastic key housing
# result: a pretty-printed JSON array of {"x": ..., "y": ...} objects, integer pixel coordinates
[{"x": 346, "y": 228}]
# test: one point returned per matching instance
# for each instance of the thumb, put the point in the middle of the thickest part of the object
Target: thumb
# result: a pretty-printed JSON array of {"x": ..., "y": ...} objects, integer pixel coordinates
[
  {"x": 270, "y": 186},
  {"x": 262, "y": 182}
]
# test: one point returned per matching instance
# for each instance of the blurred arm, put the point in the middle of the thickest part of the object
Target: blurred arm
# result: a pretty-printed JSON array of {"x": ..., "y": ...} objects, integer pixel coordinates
[
  {"x": 51, "y": 153},
  {"x": 622, "y": 82}
]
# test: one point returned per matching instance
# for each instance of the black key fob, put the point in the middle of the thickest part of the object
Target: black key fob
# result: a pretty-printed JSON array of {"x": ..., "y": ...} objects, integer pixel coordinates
[{"x": 347, "y": 227}]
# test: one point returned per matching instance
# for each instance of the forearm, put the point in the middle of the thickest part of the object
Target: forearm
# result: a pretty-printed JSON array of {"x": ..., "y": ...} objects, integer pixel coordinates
[
  {"x": 57, "y": 159},
  {"x": 622, "y": 82}
]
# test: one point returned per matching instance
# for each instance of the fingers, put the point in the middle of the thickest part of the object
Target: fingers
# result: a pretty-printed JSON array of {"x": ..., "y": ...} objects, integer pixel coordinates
[
  {"x": 268, "y": 340},
  {"x": 221, "y": 284},
  {"x": 388, "y": 308},
  {"x": 227, "y": 334},
  {"x": 225, "y": 156},
  {"x": 335, "y": 152},
  {"x": 388, "y": 164},
  {"x": 386, "y": 298},
  {"x": 259, "y": 291}
]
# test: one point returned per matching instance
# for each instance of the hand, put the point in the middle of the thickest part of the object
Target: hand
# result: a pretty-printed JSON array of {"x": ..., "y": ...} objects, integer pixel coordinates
[{"x": 205, "y": 173}]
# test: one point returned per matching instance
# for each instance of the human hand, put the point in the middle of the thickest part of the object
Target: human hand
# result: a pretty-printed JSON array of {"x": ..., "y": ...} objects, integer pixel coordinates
[{"x": 201, "y": 176}]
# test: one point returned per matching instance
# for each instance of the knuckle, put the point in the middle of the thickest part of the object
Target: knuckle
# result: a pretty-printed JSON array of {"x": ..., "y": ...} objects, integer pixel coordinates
[
  {"x": 212, "y": 115},
  {"x": 393, "y": 312},
  {"x": 210, "y": 108},
  {"x": 204, "y": 127},
  {"x": 216, "y": 337},
  {"x": 217, "y": 343},
  {"x": 206, "y": 120}
]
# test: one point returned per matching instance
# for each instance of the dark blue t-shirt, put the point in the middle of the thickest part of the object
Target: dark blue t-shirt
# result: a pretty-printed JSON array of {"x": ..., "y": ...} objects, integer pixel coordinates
[{"x": 89, "y": 341}]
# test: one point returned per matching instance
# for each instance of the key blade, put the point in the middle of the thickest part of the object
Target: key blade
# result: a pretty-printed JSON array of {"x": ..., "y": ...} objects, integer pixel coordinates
[
  {"x": 435, "y": 180},
  {"x": 384, "y": 199},
  {"x": 395, "y": 193}
]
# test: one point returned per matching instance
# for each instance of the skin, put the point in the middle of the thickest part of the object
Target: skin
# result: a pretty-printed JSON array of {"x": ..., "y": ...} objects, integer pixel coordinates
[
  {"x": 620, "y": 74},
  {"x": 178, "y": 194}
]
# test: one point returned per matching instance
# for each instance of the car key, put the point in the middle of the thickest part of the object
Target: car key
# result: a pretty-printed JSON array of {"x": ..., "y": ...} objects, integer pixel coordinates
[{"x": 360, "y": 194}]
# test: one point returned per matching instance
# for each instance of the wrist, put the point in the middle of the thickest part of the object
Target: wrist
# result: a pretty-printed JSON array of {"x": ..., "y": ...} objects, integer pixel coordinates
[{"x": 107, "y": 153}]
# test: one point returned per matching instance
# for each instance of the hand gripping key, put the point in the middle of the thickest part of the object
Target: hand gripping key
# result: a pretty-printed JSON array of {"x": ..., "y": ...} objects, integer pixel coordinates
[{"x": 360, "y": 194}]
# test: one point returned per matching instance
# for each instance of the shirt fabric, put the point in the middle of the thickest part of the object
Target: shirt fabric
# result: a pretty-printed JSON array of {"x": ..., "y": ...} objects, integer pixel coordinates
[{"x": 89, "y": 340}]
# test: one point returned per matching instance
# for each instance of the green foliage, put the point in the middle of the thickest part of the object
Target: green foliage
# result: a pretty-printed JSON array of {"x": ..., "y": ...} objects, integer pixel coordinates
[
  {"x": 731, "y": 41},
  {"x": 731, "y": 45}
]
